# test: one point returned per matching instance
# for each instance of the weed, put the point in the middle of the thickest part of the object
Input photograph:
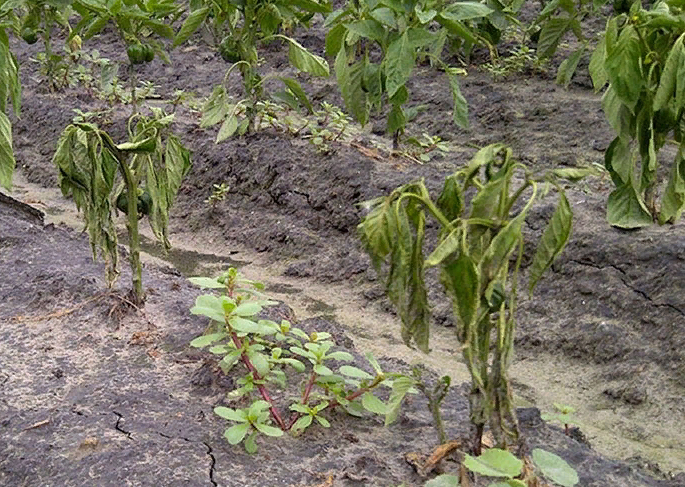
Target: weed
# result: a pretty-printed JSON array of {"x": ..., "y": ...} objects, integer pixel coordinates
[{"x": 267, "y": 349}]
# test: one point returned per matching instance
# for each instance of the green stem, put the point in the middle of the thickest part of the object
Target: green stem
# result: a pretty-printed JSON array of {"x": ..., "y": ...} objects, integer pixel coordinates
[
  {"x": 132, "y": 221},
  {"x": 132, "y": 228},
  {"x": 133, "y": 79},
  {"x": 430, "y": 206}
]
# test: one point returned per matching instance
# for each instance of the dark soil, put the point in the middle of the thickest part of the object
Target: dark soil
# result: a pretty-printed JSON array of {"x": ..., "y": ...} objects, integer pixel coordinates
[{"x": 127, "y": 401}]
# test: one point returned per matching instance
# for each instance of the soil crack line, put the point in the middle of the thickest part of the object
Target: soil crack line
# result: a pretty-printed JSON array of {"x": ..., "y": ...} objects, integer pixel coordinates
[
  {"x": 210, "y": 453},
  {"x": 212, "y": 464},
  {"x": 120, "y": 418},
  {"x": 635, "y": 289}
]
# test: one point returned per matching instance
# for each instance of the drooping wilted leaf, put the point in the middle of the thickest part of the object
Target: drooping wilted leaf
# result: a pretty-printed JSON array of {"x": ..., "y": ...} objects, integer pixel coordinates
[
  {"x": 626, "y": 209},
  {"x": 673, "y": 199},
  {"x": 669, "y": 75},
  {"x": 451, "y": 199},
  {"x": 501, "y": 247},
  {"x": 553, "y": 240},
  {"x": 306, "y": 61},
  {"x": 446, "y": 247},
  {"x": 374, "y": 230},
  {"x": 461, "y": 278}
]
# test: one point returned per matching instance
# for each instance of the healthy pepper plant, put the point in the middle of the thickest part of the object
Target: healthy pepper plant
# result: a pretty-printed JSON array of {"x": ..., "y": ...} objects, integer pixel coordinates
[
  {"x": 42, "y": 18},
  {"x": 376, "y": 45},
  {"x": 142, "y": 26},
  {"x": 477, "y": 241},
  {"x": 267, "y": 349},
  {"x": 242, "y": 26},
  {"x": 642, "y": 59},
  {"x": 151, "y": 165},
  {"x": 10, "y": 89}
]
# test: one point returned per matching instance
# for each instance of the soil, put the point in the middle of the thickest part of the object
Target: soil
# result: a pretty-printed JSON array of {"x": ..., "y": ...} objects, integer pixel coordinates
[{"x": 93, "y": 392}]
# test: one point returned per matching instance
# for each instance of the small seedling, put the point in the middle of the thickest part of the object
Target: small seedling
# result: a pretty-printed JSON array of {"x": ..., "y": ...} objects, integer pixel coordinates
[
  {"x": 219, "y": 194},
  {"x": 425, "y": 147},
  {"x": 563, "y": 415}
]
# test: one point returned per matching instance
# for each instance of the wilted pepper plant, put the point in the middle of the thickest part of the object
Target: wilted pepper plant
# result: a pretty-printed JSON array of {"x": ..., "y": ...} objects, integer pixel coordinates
[
  {"x": 152, "y": 165},
  {"x": 479, "y": 254}
]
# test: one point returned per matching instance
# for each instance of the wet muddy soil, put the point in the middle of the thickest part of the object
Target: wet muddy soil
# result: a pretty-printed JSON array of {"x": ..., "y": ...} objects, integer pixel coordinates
[{"x": 91, "y": 396}]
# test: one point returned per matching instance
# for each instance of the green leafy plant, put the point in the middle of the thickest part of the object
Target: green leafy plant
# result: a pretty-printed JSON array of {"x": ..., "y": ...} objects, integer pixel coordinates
[
  {"x": 642, "y": 58},
  {"x": 478, "y": 239},
  {"x": 42, "y": 18},
  {"x": 557, "y": 18},
  {"x": 267, "y": 349},
  {"x": 10, "y": 89},
  {"x": 376, "y": 45},
  {"x": 151, "y": 165},
  {"x": 519, "y": 60},
  {"x": 244, "y": 25},
  {"x": 331, "y": 124},
  {"x": 502, "y": 464},
  {"x": 425, "y": 147},
  {"x": 141, "y": 26},
  {"x": 563, "y": 415}
]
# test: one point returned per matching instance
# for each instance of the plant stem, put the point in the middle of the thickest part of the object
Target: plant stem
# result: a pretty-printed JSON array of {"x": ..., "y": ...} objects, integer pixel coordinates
[
  {"x": 308, "y": 389},
  {"x": 262, "y": 390}
]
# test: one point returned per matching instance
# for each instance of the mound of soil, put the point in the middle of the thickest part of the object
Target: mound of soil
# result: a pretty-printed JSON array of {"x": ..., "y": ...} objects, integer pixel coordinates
[{"x": 94, "y": 392}]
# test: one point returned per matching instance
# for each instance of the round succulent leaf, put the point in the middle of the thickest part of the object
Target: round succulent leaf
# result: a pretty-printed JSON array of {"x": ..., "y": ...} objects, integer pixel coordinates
[
  {"x": 204, "y": 340},
  {"x": 494, "y": 463},
  {"x": 322, "y": 421},
  {"x": 231, "y": 414},
  {"x": 322, "y": 370},
  {"x": 555, "y": 468},
  {"x": 443, "y": 481},
  {"x": 268, "y": 430},
  {"x": 355, "y": 372},
  {"x": 302, "y": 423},
  {"x": 235, "y": 434}
]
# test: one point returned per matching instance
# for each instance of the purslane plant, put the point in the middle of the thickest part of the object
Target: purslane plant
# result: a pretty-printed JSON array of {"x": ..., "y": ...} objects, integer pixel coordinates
[
  {"x": 479, "y": 254},
  {"x": 267, "y": 350}
]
